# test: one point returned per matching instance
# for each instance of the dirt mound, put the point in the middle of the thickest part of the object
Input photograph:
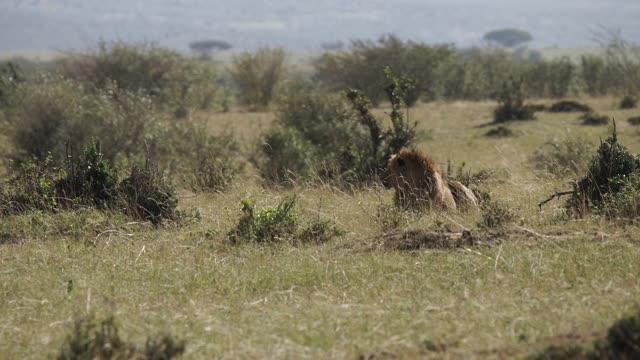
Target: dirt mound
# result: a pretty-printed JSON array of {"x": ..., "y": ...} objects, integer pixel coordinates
[
  {"x": 569, "y": 106},
  {"x": 592, "y": 119}
]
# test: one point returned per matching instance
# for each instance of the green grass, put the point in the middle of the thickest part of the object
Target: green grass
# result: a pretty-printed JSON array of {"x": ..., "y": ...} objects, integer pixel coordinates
[{"x": 547, "y": 281}]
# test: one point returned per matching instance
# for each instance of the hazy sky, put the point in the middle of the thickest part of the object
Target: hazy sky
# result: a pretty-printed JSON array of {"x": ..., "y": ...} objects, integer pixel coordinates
[{"x": 298, "y": 24}]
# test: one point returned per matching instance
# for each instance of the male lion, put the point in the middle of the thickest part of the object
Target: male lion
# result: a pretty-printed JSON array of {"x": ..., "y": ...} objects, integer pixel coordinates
[{"x": 418, "y": 182}]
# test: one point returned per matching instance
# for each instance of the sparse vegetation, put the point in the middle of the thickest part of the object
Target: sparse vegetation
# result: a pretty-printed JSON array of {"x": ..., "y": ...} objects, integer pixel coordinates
[{"x": 564, "y": 158}]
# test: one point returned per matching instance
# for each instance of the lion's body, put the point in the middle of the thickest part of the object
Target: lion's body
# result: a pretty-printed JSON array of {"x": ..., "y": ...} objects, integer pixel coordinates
[
  {"x": 463, "y": 197},
  {"x": 418, "y": 181}
]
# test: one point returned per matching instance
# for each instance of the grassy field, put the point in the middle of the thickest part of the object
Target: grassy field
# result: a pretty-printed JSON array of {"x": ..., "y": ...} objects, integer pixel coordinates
[{"x": 542, "y": 282}]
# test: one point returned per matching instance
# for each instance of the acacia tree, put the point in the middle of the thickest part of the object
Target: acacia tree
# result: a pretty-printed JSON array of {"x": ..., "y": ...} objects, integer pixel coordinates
[{"x": 508, "y": 37}]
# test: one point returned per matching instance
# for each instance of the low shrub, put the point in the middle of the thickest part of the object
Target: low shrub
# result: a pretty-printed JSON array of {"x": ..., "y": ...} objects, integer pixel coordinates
[
  {"x": 593, "y": 119},
  {"x": 628, "y": 102},
  {"x": 281, "y": 223},
  {"x": 569, "y": 106},
  {"x": 499, "y": 132},
  {"x": 511, "y": 103},
  {"x": 89, "y": 181},
  {"x": 92, "y": 339},
  {"x": 635, "y": 121},
  {"x": 561, "y": 158}
]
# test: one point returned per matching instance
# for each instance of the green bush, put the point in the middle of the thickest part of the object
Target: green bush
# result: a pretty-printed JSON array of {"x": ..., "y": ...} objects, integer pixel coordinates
[
  {"x": 91, "y": 339},
  {"x": 593, "y": 73},
  {"x": 360, "y": 67},
  {"x": 49, "y": 114},
  {"x": 173, "y": 81},
  {"x": 567, "y": 157},
  {"x": 31, "y": 188},
  {"x": 511, "y": 104},
  {"x": 320, "y": 136},
  {"x": 256, "y": 76}
]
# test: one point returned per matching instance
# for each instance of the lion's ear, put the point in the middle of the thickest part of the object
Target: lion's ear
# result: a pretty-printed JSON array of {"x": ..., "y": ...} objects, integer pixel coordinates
[{"x": 400, "y": 161}]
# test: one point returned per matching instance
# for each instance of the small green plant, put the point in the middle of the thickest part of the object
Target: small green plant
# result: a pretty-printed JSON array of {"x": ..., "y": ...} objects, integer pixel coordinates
[
  {"x": 567, "y": 157},
  {"x": 511, "y": 104},
  {"x": 273, "y": 224},
  {"x": 265, "y": 225},
  {"x": 92, "y": 339}
]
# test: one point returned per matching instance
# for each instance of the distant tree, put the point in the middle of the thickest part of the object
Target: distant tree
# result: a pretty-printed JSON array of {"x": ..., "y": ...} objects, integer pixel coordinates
[
  {"x": 508, "y": 37},
  {"x": 332, "y": 46},
  {"x": 204, "y": 48}
]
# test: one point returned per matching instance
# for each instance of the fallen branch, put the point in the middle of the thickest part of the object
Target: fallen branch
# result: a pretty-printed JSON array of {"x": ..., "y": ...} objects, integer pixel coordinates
[{"x": 554, "y": 196}]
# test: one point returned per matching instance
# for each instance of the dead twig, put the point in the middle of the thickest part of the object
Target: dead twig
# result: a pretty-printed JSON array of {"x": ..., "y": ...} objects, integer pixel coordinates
[{"x": 554, "y": 196}]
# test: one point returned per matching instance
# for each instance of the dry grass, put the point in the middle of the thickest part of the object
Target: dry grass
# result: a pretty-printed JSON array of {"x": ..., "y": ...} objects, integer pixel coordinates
[{"x": 544, "y": 280}]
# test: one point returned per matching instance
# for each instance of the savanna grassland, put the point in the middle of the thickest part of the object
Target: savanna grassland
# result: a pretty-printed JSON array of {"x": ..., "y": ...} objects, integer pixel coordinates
[
  {"x": 154, "y": 204},
  {"x": 543, "y": 281}
]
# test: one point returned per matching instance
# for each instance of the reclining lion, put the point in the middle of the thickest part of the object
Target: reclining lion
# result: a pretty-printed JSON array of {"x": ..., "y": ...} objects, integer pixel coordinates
[{"x": 418, "y": 182}]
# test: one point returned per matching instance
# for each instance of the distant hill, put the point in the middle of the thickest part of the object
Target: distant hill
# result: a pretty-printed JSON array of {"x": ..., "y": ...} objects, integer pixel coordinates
[{"x": 304, "y": 25}]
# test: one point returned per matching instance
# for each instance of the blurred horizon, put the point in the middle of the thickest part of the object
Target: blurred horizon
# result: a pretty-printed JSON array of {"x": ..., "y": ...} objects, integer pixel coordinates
[{"x": 247, "y": 24}]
